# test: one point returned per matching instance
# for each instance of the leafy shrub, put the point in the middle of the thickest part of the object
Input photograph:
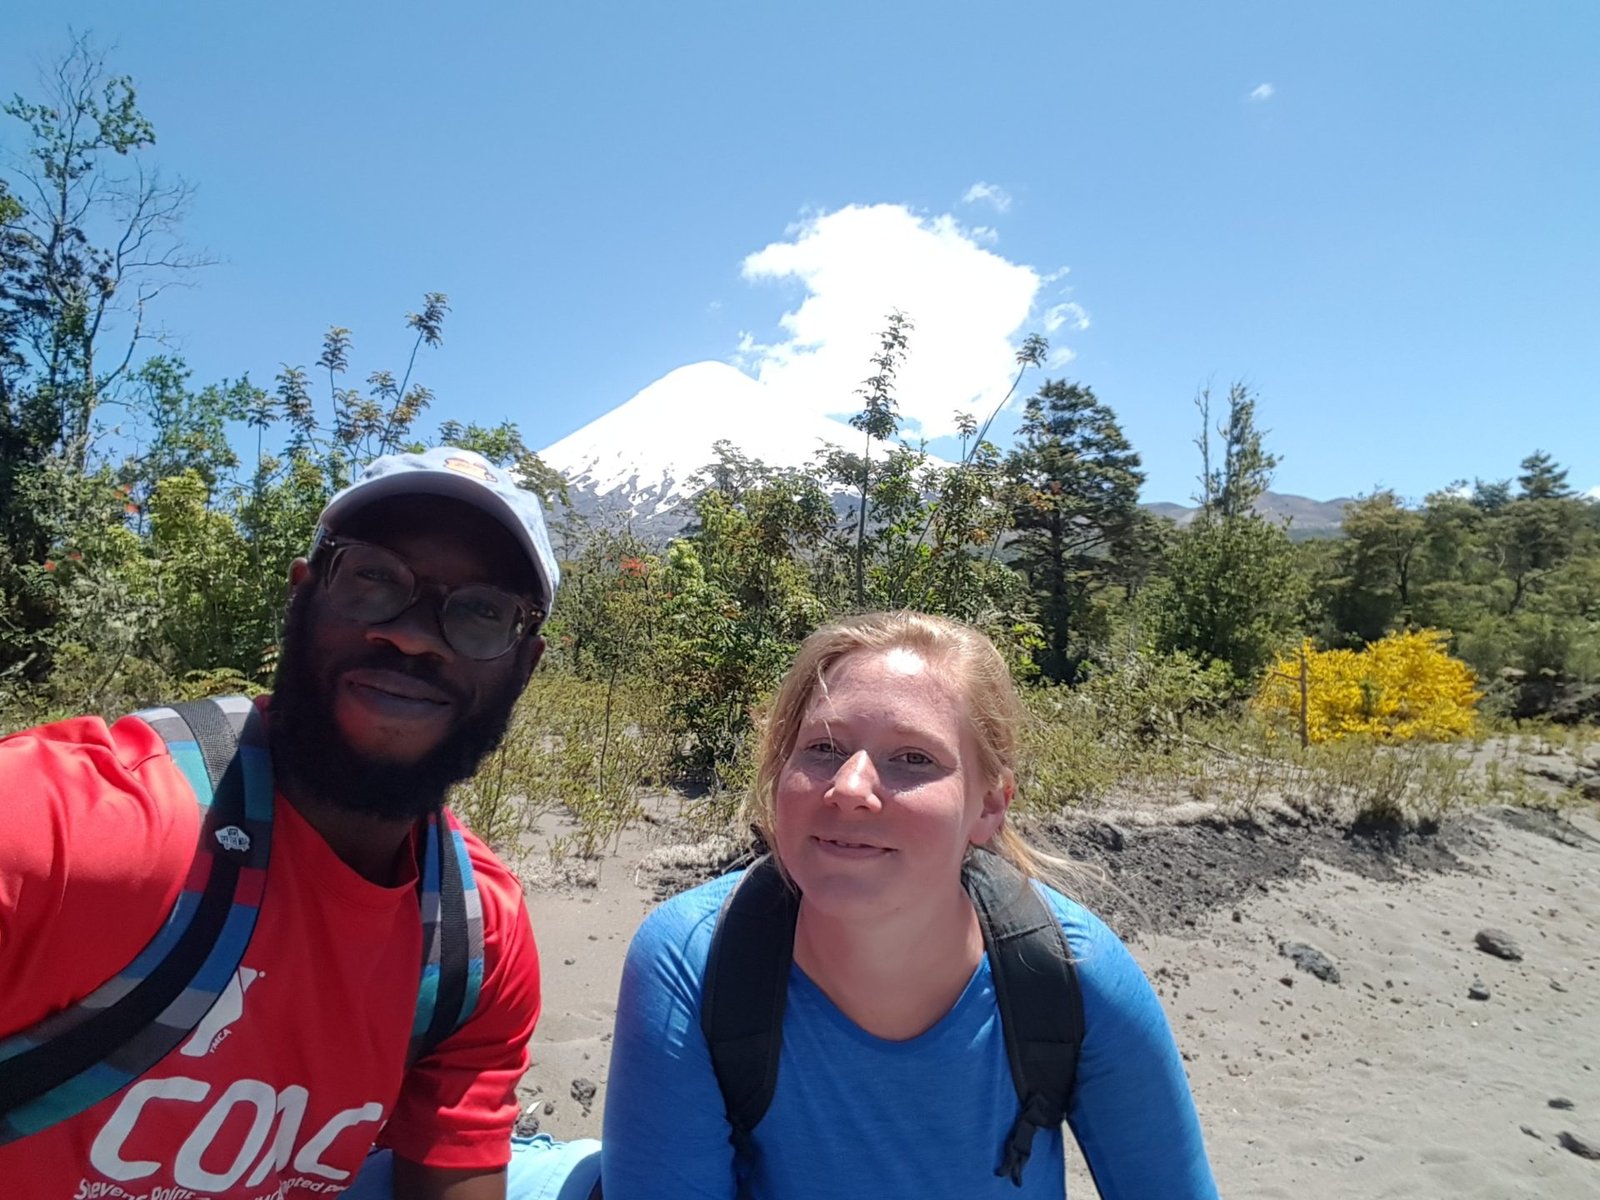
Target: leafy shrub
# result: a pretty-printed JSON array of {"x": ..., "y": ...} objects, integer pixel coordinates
[
  {"x": 588, "y": 746},
  {"x": 1379, "y": 784},
  {"x": 1124, "y": 723},
  {"x": 1400, "y": 688}
]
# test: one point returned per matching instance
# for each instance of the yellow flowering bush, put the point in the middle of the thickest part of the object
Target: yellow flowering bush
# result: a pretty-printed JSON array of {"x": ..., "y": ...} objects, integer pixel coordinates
[{"x": 1404, "y": 687}]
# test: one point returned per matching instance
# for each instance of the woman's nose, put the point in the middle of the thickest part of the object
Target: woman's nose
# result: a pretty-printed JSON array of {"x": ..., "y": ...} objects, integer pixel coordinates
[{"x": 855, "y": 783}]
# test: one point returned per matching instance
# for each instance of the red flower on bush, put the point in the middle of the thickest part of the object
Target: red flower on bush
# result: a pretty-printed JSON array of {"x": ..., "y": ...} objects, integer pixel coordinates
[
  {"x": 49, "y": 564},
  {"x": 633, "y": 566}
]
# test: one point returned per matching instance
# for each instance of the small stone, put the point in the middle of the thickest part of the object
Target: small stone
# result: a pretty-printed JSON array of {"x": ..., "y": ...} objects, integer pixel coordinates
[
  {"x": 568, "y": 961},
  {"x": 1286, "y": 980},
  {"x": 1560, "y": 1102},
  {"x": 583, "y": 1091},
  {"x": 549, "y": 1107},
  {"x": 1238, "y": 916},
  {"x": 1311, "y": 960},
  {"x": 1528, "y": 1129},
  {"x": 1557, "y": 986},
  {"x": 528, "y": 1121},
  {"x": 1582, "y": 1147},
  {"x": 1498, "y": 943},
  {"x": 1477, "y": 991}
]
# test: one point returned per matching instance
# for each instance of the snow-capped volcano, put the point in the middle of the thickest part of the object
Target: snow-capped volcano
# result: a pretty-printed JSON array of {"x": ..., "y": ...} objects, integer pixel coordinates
[
  {"x": 636, "y": 461},
  {"x": 638, "y": 458}
]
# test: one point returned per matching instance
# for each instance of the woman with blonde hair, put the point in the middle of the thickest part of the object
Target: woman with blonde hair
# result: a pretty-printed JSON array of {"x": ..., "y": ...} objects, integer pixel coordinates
[{"x": 876, "y": 1012}]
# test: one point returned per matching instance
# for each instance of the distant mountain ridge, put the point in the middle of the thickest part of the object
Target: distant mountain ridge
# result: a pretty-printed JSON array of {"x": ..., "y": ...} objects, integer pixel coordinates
[
  {"x": 1306, "y": 517},
  {"x": 635, "y": 462}
]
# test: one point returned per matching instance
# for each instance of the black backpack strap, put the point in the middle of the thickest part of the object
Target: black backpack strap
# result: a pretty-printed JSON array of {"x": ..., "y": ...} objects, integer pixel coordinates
[
  {"x": 1036, "y": 989},
  {"x": 77, "y": 1057},
  {"x": 746, "y": 988}
]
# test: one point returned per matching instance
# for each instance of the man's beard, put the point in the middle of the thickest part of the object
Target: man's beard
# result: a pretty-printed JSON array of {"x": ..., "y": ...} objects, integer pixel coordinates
[{"x": 309, "y": 749}]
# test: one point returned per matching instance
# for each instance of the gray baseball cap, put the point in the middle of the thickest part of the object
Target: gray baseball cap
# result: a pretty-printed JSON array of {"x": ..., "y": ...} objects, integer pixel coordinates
[{"x": 465, "y": 475}]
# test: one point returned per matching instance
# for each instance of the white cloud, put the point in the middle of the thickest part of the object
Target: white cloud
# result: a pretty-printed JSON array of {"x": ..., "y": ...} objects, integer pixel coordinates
[
  {"x": 993, "y": 193},
  {"x": 987, "y": 234},
  {"x": 967, "y": 305},
  {"x": 1060, "y": 356},
  {"x": 1069, "y": 314},
  {"x": 1593, "y": 493},
  {"x": 1262, "y": 92}
]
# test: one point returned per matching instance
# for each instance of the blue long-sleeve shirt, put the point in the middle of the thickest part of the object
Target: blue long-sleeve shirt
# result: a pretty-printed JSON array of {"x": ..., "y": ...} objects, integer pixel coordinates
[{"x": 855, "y": 1117}]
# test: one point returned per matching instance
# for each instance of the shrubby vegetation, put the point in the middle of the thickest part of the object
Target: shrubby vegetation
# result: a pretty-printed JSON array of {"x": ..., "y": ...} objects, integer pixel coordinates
[
  {"x": 1403, "y": 687},
  {"x": 147, "y": 521}
]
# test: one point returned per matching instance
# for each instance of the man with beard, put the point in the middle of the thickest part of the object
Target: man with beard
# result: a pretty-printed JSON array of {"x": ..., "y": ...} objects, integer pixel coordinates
[{"x": 412, "y": 629}]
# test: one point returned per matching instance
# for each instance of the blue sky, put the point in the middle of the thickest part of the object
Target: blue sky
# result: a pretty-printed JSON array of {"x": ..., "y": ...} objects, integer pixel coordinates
[{"x": 1385, "y": 217}]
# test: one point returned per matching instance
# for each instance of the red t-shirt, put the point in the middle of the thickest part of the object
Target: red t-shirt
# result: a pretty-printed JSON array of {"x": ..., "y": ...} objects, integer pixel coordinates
[{"x": 300, "y": 1067}]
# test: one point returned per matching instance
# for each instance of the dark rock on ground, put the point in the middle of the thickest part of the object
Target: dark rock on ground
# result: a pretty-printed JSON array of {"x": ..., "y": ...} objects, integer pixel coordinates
[
  {"x": 1310, "y": 960},
  {"x": 1560, "y": 1102},
  {"x": 1498, "y": 943},
  {"x": 1581, "y": 1146},
  {"x": 1477, "y": 991},
  {"x": 1112, "y": 837},
  {"x": 583, "y": 1091}
]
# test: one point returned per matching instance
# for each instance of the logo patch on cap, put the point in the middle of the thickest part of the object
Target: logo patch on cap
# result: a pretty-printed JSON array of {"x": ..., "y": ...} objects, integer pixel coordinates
[{"x": 465, "y": 466}]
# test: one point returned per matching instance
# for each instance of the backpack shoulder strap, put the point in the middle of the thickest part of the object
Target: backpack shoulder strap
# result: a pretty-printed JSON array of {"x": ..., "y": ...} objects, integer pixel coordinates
[
  {"x": 452, "y": 934},
  {"x": 1036, "y": 989},
  {"x": 746, "y": 988},
  {"x": 75, "y": 1058}
]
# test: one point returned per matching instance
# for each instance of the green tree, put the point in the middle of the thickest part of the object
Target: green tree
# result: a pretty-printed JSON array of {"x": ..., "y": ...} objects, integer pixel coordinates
[
  {"x": 1230, "y": 592},
  {"x": 1529, "y": 538},
  {"x": 1074, "y": 497},
  {"x": 1231, "y": 487},
  {"x": 88, "y": 240},
  {"x": 1542, "y": 479},
  {"x": 879, "y": 419},
  {"x": 737, "y": 601},
  {"x": 1377, "y": 566},
  {"x": 98, "y": 243}
]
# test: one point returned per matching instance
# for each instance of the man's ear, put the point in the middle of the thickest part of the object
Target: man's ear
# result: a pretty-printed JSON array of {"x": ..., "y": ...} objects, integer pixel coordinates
[
  {"x": 299, "y": 572},
  {"x": 529, "y": 655}
]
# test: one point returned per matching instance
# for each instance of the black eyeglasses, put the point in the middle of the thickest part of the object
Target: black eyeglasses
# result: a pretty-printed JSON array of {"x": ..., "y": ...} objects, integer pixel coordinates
[{"x": 371, "y": 584}]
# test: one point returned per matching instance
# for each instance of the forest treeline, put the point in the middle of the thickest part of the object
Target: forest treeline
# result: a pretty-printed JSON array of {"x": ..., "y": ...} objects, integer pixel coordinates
[{"x": 147, "y": 519}]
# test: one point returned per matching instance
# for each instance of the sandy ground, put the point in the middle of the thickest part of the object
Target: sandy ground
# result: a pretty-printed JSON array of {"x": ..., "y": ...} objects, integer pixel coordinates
[{"x": 1391, "y": 1082}]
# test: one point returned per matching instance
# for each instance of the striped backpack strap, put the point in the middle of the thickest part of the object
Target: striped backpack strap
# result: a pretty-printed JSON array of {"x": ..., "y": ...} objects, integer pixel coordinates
[
  {"x": 452, "y": 934},
  {"x": 75, "y": 1058}
]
